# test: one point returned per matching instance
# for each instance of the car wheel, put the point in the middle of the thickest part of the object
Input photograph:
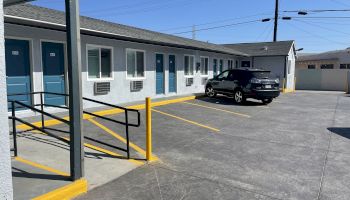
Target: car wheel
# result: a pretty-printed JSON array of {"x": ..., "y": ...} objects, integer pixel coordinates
[
  {"x": 209, "y": 91},
  {"x": 239, "y": 96},
  {"x": 267, "y": 101}
]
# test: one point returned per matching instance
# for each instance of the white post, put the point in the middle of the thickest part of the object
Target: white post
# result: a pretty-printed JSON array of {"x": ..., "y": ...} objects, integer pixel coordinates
[{"x": 6, "y": 188}]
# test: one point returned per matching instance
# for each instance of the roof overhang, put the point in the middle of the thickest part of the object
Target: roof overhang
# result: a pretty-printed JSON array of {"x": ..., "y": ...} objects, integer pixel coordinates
[
  {"x": 61, "y": 27},
  {"x": 14, "y": 2}
]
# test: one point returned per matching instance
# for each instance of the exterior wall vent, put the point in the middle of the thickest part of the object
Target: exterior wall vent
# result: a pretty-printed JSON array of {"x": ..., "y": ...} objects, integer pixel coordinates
[
  {"x": 136, "y": 86},
  {"x": 204, "y": 80},
  {"x": 189, "y": 81},
  {"x": 101, "y": 88}
]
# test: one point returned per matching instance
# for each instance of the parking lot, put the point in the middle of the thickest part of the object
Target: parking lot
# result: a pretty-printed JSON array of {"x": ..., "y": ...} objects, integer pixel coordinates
[{"x": 294, "y": 148}]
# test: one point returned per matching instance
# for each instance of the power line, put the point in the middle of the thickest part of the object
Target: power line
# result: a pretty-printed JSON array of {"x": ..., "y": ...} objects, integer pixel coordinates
[
  {"x": 340, "y": 3},
  {"x": 317, "y": 11},
  {"x": 216, "y": 27},
  {"x": 214, "y": 22},
  {"x": 316, "y": 35},
  {"x": 266, "y": 29},
  {"x": 325, "y": 28},
  {"x": 334, "y": 17},
  {"x": 121, "y": 7},
  {"x": 170, "y": 4}
]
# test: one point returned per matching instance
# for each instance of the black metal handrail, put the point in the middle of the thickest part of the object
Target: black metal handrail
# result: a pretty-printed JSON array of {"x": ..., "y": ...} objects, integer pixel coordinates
[
  {"x": 14, "y": 119},
  {"x": 43, "y": 114}
]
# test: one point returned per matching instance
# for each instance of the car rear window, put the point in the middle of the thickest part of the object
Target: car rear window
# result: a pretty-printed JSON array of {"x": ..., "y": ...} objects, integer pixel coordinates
[{"x": 261, "y": 74}]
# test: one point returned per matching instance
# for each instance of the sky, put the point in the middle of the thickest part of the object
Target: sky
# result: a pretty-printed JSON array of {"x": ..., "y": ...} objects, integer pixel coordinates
[{"x": 228, "y": 21}]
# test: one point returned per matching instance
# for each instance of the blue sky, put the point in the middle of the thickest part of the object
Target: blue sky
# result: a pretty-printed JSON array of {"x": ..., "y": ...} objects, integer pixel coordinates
[{"x": 176, "y": 16}]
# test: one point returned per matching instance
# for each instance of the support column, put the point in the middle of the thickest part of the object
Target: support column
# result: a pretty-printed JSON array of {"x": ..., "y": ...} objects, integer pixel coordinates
[
  {"x": 75, "y": 94},
  {"x": 6, "y": 188}
]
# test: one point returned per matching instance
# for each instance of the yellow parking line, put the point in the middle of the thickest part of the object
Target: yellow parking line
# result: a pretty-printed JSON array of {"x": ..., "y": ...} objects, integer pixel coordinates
[
  {"x": 186, "y": 120},
  {"x": 122, "y": 139},
  {"x": 40, "y": 166},
  {"x": 235, "y": 113}
]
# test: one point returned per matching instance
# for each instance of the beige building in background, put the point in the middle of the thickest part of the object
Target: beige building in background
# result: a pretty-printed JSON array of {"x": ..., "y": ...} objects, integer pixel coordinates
[{"x": 339, "y": 59}]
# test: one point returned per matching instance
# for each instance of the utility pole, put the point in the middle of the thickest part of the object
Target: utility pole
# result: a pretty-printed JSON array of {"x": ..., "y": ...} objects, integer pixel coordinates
[
  {"x": 194, "y": 32},
  {"x": 276, "y": 23}
]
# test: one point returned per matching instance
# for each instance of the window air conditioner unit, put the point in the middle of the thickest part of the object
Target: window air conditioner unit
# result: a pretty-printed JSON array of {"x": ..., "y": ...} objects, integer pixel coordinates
[
  {"x": 101, "y": 88},
  {"x": 136, "y": 86},
  {"x": 189, "y": 81},
  {"x": 204, "y": 81}
]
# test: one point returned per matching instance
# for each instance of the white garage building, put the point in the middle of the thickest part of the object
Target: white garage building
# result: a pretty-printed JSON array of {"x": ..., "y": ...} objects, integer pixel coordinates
[{"x": 278, "y": 57}]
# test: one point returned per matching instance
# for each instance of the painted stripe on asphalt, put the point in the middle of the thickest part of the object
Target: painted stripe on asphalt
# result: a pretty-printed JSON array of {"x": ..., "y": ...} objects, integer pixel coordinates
[
  {"x": 209, "y": 107},
  {"x": 186, "y": 120}
]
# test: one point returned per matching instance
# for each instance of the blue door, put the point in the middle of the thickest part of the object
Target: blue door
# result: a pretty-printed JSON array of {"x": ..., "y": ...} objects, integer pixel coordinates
[
  {"x": 159, "y": 74},
  {"x": 53, "y": 70},
  {"x": 18, "y": 70},
  {"x": 215, "y": 67},
  {"x": 221, "y": 66},
  {"x": 172, "y": 74}
]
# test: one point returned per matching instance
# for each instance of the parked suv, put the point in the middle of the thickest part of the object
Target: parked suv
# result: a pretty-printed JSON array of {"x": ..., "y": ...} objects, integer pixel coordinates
[{"x": 244, "y": 83}]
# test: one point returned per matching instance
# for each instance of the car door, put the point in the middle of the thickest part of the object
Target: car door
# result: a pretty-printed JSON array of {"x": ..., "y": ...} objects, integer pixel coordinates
[
  {"x": 219, "y": 81},
  {"x": 231, "y": 82}
]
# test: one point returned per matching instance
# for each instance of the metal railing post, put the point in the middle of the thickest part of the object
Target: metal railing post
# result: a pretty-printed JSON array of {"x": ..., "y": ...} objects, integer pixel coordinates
[
  {"x": 42, "y": 109},
  {"x": 127, "y": 133},
  {"x": 148, "y": 129},
  {"x": 14, "y": 130}
]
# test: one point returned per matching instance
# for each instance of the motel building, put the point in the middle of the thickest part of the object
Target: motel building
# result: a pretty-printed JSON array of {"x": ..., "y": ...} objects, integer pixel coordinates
[{"x": 119, "y": 63}]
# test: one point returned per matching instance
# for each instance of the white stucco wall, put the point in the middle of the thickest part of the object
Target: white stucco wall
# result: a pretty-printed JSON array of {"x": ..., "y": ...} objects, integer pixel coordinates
[
  {"x": 6, "y": 190},
  {"x": 273, "y": 63},
  {"x": 120, "y": 85},
  {"x": 322, "y": 79}
]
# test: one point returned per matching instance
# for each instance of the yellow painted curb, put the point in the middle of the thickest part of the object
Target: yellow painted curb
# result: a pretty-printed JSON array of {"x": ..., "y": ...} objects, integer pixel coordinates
[
  {"x": 66, "y": 192},
  {"x": 288, "y": 91}
]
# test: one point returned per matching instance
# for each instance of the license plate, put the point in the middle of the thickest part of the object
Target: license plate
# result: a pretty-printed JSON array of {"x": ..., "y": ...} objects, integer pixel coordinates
[{"x": 267, "y": 86}]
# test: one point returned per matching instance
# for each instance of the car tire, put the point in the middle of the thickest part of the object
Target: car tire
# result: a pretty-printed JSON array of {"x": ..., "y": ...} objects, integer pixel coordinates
[
  {"x": 239, "y": 97},
  {"x": 267, "y": 101},
  {"x": 210, "y": 92}
]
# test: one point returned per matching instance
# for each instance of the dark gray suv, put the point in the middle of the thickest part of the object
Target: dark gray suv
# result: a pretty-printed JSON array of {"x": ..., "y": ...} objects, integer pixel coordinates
[{"x": 244, "y": 83}]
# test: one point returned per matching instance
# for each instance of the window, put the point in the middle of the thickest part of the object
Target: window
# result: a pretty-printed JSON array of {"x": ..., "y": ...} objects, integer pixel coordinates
[
  {"x": 344, "y": 66},
  {"x": 204, "y": 65},
  {"x": 289, "y": 66},
  {"x": 230, "y": 64},
  {"x": 245, "y": 64},
  {"x": 327, "y": 66},
  {"x": 311, "y": 66},
  {"x": 223, "y": 75},
  {"x": 135, "y": 63},
  {"x": 189, "y": 65},
  {"x": 99, "y": 62}
]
